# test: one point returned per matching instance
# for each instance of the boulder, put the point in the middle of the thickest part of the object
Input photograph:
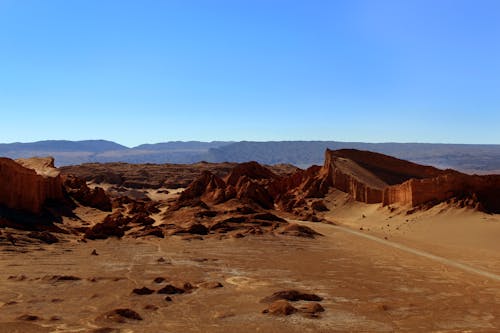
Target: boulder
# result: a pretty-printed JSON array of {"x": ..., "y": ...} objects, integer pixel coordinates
[
  {"x": 291, "y": 295},
  {"x": 170, "y": 289},
  {"x": 121, "y": 315},
  {"x": 280, "y": 308}
]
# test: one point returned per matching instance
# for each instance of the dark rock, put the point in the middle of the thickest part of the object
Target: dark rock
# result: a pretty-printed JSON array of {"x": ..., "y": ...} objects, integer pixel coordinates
[
  {"x": 245, "y": 210},
  {"x": 171, "y": 290},
  {"x": 61, "y": 278},
  {"x": 206, "y": 213},
  {"x": 142, "y": 219},
  {"x": 236, "y": 219},
  {"x": 268, "y": 217},
  {"x": 151, "y": 231},
  {"x": 319, "y": 206},
  {"x": 291, "y": 295},
  {"x": 143, "y": 291},
  {"x": 196, "y": 229},
  {"x": 28, "y": 317},
  {"x": 114, "y": 225},
  {"x": 120, "y": 315},
  {"x": 106, "y": 330}
]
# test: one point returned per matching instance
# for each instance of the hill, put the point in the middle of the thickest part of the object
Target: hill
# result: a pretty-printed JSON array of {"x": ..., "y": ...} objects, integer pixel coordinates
[
  {"x": 467, "y": 158},
  {"x": 464, "y": 157}
]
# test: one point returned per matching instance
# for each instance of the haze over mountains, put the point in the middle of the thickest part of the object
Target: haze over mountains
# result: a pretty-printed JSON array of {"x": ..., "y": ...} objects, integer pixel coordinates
[{"x": 472, "y": 158}]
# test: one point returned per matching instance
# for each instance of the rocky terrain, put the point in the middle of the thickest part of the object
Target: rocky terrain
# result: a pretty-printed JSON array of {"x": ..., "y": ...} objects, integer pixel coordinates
[
  {"x": 218, "y": 246},
  {"x": 139, "y": 176}
]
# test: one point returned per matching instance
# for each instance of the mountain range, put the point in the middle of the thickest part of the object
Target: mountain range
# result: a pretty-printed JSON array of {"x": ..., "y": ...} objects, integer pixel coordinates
[{"x": 471, "y": 158}]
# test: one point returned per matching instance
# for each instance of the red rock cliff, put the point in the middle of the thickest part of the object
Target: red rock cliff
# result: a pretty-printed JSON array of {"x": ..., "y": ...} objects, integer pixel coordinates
[
  {"x": 376, "y": 178},
  {"x": 414, "y": 192},
  {"x": 347, "y": 175},
  {"x": 28, "y": 183}
]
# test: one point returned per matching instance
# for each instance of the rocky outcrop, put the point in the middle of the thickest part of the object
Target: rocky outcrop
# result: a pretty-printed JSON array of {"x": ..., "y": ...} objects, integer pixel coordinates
[
  {"x": 114, "y": 225},
  {"x": 365, "y": 175},
  {"x": 292, "y": 191},
  {"x": 250, "y": 191},
  {"x": 376, "y": 178},
  {"x": 249, "y": 188},
  {"x": 79, "y": 190},
  {"x": 251, "y": 170},
  {"x": 208, "y": 187},
  {"x": 28, "y": 184}
]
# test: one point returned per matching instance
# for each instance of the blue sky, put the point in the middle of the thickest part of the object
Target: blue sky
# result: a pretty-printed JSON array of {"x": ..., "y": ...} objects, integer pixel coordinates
[{"x": 151, "y": 71}]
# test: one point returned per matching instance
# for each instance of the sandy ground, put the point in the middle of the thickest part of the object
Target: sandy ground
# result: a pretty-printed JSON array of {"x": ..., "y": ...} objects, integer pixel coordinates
[
  {"x": 460, "y": 234},
  {"x": 367, "y": 286}
]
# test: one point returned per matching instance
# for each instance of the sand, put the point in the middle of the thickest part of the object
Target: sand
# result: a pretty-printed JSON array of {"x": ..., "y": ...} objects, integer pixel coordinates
[
  {"x": 460, "y": 234},
  {"x": 367, "y": 286}
]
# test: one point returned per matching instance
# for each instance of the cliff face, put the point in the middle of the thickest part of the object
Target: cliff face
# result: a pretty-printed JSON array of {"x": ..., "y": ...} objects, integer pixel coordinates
[
  {"x": 349, "y": 183},
  {"x": 27, "y": 184},
  {"x": 485, "y": 190},
  {"x": 375, "y": 178},
  {"x": 348, "y": 175},
  {"x": 419, "y": 191}
]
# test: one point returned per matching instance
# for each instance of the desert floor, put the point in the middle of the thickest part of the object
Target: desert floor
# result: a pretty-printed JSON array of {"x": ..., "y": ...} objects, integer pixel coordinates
[{"x": 366, "y": 285}]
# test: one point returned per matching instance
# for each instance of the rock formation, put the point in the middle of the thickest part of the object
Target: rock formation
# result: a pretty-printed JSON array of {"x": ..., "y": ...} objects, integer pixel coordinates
[
  {"x": 484, "y": 191},
  {"x": 365, "y": 175},
  {"x": 376, "y": 178},
  {"x": 245, "y": 182},
  {"x": 146, "y": 176},
  {"x": 28, "y": 184},
  {"x": 79, "y": 190}
]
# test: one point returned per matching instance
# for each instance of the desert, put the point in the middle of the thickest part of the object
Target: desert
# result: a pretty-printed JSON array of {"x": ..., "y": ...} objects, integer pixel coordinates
[
  {"x": 253, "y": 166},
  {"x": 343, "y": 247}
]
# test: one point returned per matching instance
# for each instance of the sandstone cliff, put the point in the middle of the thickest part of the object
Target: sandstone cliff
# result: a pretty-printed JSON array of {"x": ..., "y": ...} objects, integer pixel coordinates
[
  {"x": 28, "y": 184},
  {"x": 376, "y": 178},
  {"x": 483, "y": 190}
]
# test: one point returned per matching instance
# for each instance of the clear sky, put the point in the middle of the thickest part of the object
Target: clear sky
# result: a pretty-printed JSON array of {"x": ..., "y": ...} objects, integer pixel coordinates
[{"x": 151, "y": 71}]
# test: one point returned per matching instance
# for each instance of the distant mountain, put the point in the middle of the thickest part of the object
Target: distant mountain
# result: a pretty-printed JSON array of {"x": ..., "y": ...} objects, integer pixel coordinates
[
  {"x": 95, "y": 146},
  {"x": 78, "y": 152},
  {"x": 182, "y": 145},
  {"x": 463, "y": 157},
  {"x": 65, "y": 152}
]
